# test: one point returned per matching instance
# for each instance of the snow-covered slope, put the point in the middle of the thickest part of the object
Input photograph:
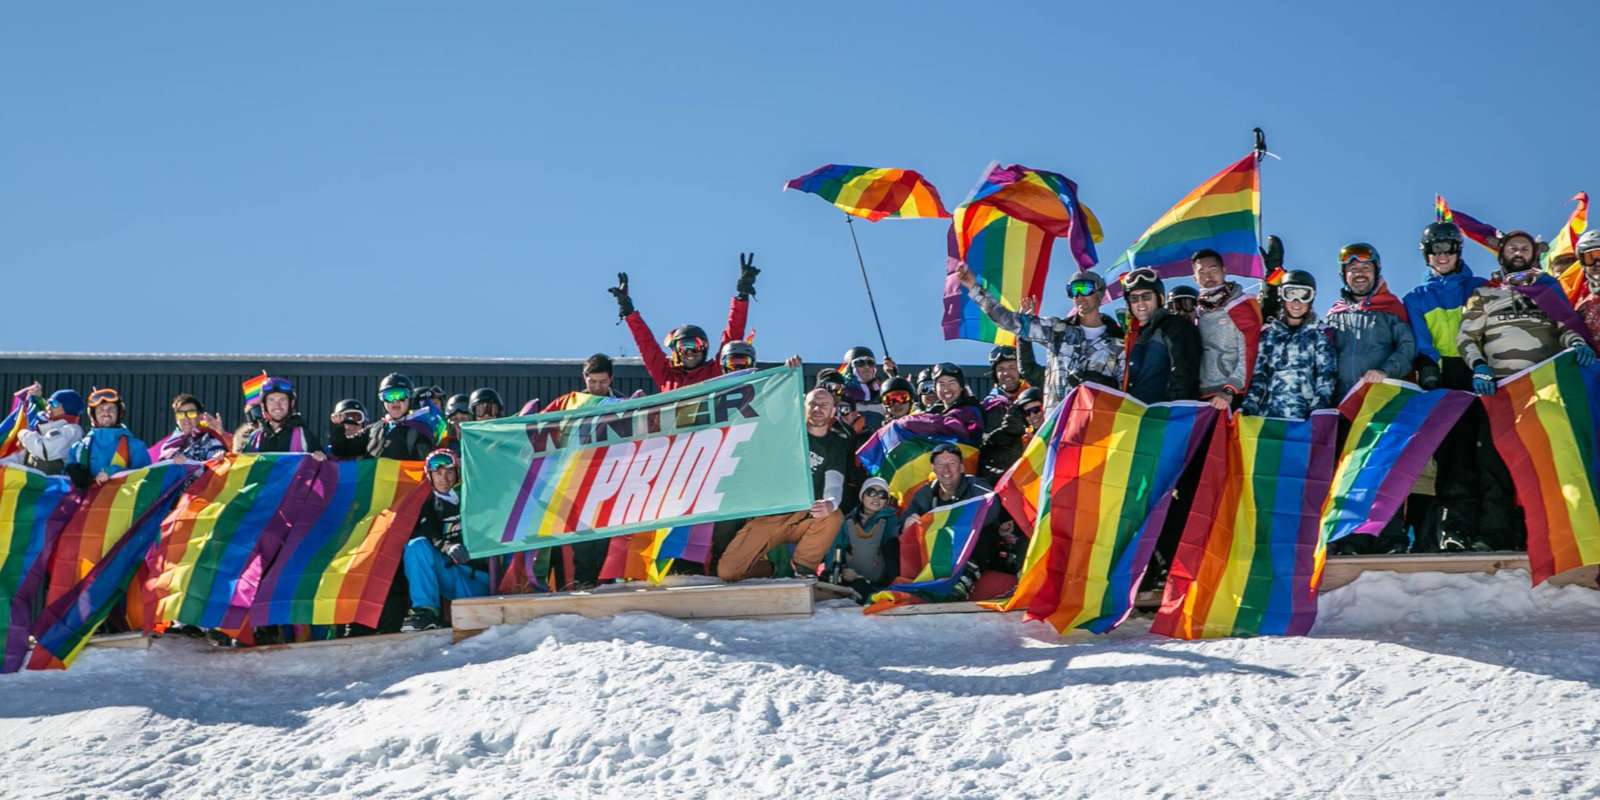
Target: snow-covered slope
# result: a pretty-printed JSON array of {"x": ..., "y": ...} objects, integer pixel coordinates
[{"x": 1415, "y": 686}]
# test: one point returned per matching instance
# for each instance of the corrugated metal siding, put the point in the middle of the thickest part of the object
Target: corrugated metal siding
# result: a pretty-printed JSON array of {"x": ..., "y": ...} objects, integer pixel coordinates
[{"x": 148, "y": 384}]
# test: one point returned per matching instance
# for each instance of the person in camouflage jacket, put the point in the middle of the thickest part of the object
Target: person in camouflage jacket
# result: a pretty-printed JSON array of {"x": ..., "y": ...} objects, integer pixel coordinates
[
  {"x": 1519, "y": 319},
  {"x": 1296, "y": 366}
]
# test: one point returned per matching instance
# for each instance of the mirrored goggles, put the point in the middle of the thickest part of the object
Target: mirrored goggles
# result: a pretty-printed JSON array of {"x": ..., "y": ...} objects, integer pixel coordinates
[
  {"x": 186, "y": 414},
  {"x": 278, "y": 385},
  {"x": 441, "y": 461},
  {"x": 1352, "y": 253},
  {"x": 1298, "y": 294},
  {"x": 1083, "y": 289},
  {"x": 897, "y": 398},
  {"x": 395, "y": 395},
  {"x": 689, "y": 345},
  {"x": 737, "y": 362},
  {"x": 354, "y": 418},
  {"x": 926, "y": 387}
]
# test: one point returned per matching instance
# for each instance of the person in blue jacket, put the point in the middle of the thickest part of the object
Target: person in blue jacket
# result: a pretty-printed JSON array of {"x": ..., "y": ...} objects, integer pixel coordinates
[{"x": 109, "y": 447}]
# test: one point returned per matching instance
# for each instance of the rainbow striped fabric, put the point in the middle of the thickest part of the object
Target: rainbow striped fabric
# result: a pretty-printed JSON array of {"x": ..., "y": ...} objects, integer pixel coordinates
[
  {"x": 900, "y": 451},
  {"x": 942, "y": 540},
  {"x": 1094, "y": 485},
  {"x": 430, "y": 422},
  {"x": 1395, "y": 428},
  {"x": 1481, "y": 232},
  {"x": 1048, "y": 200},
  {"x": 1565, "y": 242},
  {"x": 1543, "y": 421},
  {"x": 575, "y": 400},
  {"x": 1251, "y": 554},
  {"x": 1220, "y": 214},
  {"x": 251, "y": 387},
  {"x": 16, "y": 422},
  {"x": 31, "y": 505},
  {"x": 873, "y": 193},
  {"x": 648, "y": 556}
]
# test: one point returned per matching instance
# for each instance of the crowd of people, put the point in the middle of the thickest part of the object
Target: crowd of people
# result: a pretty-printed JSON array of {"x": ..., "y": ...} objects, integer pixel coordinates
[{"x": 1270, "y": 354}]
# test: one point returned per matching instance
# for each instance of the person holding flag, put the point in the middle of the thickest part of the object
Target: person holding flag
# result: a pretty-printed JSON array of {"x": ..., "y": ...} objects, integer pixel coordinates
[
  {"x": 47, "y": 436},
  {"x": 281, "y": 428}
]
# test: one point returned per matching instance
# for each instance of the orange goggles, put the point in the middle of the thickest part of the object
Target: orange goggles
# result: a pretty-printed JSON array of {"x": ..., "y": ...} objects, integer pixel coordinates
[{"x": 101, "y": 396}]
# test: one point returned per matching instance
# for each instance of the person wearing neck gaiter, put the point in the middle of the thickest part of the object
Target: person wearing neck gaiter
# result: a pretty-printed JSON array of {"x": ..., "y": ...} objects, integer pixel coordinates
[{"x": 1371, "y": 329}]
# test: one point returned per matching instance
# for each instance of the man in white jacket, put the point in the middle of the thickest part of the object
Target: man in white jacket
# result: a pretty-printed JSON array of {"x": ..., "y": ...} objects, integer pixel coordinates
[{"x": 50, "y": 435}]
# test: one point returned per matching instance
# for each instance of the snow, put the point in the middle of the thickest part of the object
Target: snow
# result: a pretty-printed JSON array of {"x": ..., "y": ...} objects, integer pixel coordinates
[{"x": 1451, "y": 686}]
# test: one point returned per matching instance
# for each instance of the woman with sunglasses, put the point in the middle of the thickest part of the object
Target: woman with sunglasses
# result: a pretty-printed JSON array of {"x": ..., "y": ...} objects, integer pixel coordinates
[
  {"x": 109, "y": 447},
  {"x": 199, "y": 436},
  {"x": 1296, "y": 367},
  {"x": 281, "y": 429},
  {"x": 687, "y": 359},
  {"x": 866, "y": 553},
  {"x": 51, "y": 431}
]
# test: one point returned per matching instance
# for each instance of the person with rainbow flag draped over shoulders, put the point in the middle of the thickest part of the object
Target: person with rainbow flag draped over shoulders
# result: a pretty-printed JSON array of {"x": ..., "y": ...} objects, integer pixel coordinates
[
  {"x": 437, "y": 566},
  {"x": 1518, "y": 319},
  {"x": 690, "y": 361},
  {"x": 1230, "y": 331},
  {"x": 281, "y": 429},
  {"x": 598, "y": 372},
  {"x": 109, "y": 447},
  {"x": 1588, "y": 306},
  {"x": 199, "y": 436},
  {"x": 44, "y": 431},
  {"x": 991, "y": 571}
]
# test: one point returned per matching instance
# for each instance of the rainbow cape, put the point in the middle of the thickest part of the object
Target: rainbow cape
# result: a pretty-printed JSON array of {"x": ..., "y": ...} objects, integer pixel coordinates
[
  {"x": 111, "y": 530},
  {"x": 1251, "y": 554},
  {"x": 1220, "y": 214},
  {"x": 1045, "y": 199},
  {"x": 1093, "y": 485},
  {"x": 1543, "y": 422},
  {"x": 576, "y": 400},
  {"x": 1481, "y": 232},
  {"x": 942, "y": 540},
  {"x": 31, "y": 508},
  {"x": 900, "y": 451},
  {"x": 873, "y": 193},
  {"x": 1395, "y": 428}
]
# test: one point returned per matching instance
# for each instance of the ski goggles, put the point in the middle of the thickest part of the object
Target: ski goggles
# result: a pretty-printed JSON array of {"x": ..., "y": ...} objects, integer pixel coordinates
[
  {"x": 1298, "y": 294},
  {"x": 1083, "y": 289},
  {"x": 441, "y": 460},
  {"x": 926, "y": 387},
  {"x": 695, "y": 345},
  {"x": 354, "y": 418},
  {"x": 897, "y": 398},
  {"x": 1357, "y": 253},
  {"x": 396, "y": 394},
  {"x": 737, "y": 361},
  {"x": 277, "y": 385},
  {"x": 1182, "y": 305},
  {"x": 1589, "y": 258},
  {"x": 1443, "y": 248},
  {"x": 102, "y": 396}
]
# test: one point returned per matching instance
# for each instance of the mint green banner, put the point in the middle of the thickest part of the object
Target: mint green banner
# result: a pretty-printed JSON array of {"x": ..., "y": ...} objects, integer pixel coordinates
[{"x": 725, "y": 449}]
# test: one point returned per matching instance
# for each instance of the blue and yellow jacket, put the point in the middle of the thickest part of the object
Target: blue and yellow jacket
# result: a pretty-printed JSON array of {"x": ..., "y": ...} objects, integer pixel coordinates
[{"x": 1435, "y": 311}]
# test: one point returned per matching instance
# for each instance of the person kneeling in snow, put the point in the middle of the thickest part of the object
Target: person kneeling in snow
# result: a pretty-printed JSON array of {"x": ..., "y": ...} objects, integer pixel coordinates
[
  {"x": 866, "y": 553},
  {"x": 436, "y": 562}
]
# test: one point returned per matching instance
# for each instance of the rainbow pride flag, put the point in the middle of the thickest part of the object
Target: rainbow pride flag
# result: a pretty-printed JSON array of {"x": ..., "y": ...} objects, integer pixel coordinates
[
  {"x": 1048, "y": 200},
  {"x": 942, "y": 540},
  {"x": 430, "y": 422},
  {"x": 1395, "y": 428},
  {"x": 575, "y": 400},
  {"x": 649, "y": 556},
  {"x": 251, "y": 387},
  {"x": 31, "y": 505},
  {"x": 17, "y": 421},
  {"x": 336, "y": 566},
  {"x": 96, "y": 555},
  {"x": 1220, "y": 214},
  {"x": 1543, "y": 422},
  {"x": 1565, "y": 242},
  {"x": 1481, "y": 232},
  {"x": 1093, "y": 485},
  {"x": 873, "y": 193},
  {"x": 1251, "y": 554},
  {"x": 1010, "y": 260},
  {"x": 900, "y": 452}
]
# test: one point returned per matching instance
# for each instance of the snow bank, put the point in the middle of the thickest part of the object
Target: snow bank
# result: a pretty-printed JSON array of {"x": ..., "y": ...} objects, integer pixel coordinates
[{"x": 1441, "y": 703}]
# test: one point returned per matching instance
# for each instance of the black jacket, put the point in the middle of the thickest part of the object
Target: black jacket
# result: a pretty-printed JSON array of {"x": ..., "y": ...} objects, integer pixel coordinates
[
  {"x": 385, "y": 439},
  {"x": 440, "y": 523},
  {"x": 1164, "y": 361},
  {"x": 266, "y": 440},
  {"x": 1002, "y": 444}
]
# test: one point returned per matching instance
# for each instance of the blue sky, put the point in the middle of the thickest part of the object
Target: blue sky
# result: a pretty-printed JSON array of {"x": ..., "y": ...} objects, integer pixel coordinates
[{"x": 416, "y": 178}]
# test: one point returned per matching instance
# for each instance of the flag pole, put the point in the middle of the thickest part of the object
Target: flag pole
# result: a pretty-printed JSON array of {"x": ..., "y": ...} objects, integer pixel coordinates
[
  {"x": 870, "y": 301},
  {"x": 1261, "y": 155}
]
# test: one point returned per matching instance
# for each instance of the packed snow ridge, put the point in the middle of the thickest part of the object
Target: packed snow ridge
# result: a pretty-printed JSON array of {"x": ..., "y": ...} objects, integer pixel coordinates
[{"x": 1450, "y": 686}]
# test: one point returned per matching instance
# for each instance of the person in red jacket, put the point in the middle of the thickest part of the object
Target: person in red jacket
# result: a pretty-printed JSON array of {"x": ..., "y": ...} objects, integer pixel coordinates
[{"x": 687, "y": 359}]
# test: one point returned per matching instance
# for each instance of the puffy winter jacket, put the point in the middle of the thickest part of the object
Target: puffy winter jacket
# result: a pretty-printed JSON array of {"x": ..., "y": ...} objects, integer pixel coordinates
[
  {"x": 109, "y": 450},
  {"x": 1230, "y": 331},
  {"x": 1434, "y": 309},
  {"x": 202, "y": 444},
  {"x": 1071, "y": 355},
  {"x": 669, "y": 376},
  {"x": 1295, "y": 371},
  {"x": 48, "y": 447},
  {"x": 1370, "y": 332},
  {"x": 1163, "y": 359},
  {"x": 1589, "y": 309}
]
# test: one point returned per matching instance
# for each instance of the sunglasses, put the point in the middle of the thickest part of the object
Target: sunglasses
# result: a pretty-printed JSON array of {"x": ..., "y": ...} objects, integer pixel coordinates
[
  {"x": 442, "y": 461},
  {"x": 1298, "y": 294},
  {"x": 1444, "y": 248},
  {"x": 186, "y": 414},
  {"x": 394, "y": 395},
  {"x": 1082, "y": 289},
  {"x": 100, "y": 396},
  {"x": 1033, "y": 411},
  {"x": 1355, "y": 253},
  {"x": 897, "y": 398},
  {"x": 874, "y": 493}
]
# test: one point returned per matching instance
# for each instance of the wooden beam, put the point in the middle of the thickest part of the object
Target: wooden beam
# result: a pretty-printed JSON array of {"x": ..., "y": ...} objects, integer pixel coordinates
[
  {"x": 1342, "y": 570},
  {"x": 441, "y": 634},
  {"x": 750, "y": 599},
  {"x": 133, "y": 640}
]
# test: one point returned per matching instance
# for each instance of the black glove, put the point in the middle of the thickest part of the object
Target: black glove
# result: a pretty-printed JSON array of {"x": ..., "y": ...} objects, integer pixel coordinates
[
  {"x": 620, "y": 291},
  {"x": 1013, "y": 422},
  {"x": 1272, "y": 254},
  {"x": 1427, "y": 374},
  {"x": 457, "y": 553},
  {"x": 747, "y": 276}
]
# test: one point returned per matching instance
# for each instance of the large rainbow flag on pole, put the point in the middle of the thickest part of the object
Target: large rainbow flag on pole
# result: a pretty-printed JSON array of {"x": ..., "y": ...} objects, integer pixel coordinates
[
  {"x": 1543, "y": 420},
  {"x": 873, "y": 193},
  {"x": 1251, "y": 554},
  {"x": 942, "y": 540},
  {"x": 1220, "y": 214},
  {"x": 1395, "y": 428},
  {"x": 30, "y": 507},
  {"x": 1094, "y": 485}
]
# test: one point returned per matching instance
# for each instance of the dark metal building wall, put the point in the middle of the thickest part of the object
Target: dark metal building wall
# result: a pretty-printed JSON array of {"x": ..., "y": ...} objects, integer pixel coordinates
[{"x": 148, "y": 384}]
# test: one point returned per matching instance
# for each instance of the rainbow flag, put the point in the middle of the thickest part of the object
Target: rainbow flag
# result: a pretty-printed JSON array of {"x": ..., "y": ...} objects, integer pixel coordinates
[
  {"x": 97, "y": 553},
  {"x": 17, "y": 421},
  {"x": 1395, "y": 428},
  {"x": 873, "y": 193},
  {"x": 31, "y": 508},
  {"x": 942, "y": 540},
  {"x": 1220, "y": 214},
  {"x": 344, "y": 548},
  {"x": 1565, "y": 242},
  {"x": 1093, "y": 485},
  {"x": 1010, "y": 260},
  {"x": 649, "y": 556},
  {"x": 1481, "y": 232},
  {"x": 576, "y": 400},
  {"x": 900, "y": 452},
  {"x": 430, "y": 422},
  {"x": 1251, "y": 555},
  {"x": 1543, "y": 422},
  {"x": 1048, "y": 200},
  {"x": 252, "y": 389}
]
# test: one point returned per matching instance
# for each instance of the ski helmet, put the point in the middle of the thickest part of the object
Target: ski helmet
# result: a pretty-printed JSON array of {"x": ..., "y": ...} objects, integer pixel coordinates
[
  {"x": 1590, "y": 240},
  {"x": 1144, "y": 279},
  {"x": 1001, "y": 352},
  {"x": 457, "y": 404},
  {"x": 859, "y": 351},
  {"x": 899, "y": 384},
  {"x": 734, "y": 348},
  {"x": 350, "y": 405},
  {"x": 275, "y": 385},
  {"x": 688, "y": 334},
  {"x": 1085, "y": 276},
  {"x": 944, "y": 368},
  {"x": 485, "y": 395},
  {"x": 1363, "y": 252},
  {"x": 1440, "y": 232}
]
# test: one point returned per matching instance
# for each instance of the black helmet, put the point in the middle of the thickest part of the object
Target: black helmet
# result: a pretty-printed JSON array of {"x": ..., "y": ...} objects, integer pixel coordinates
[
  {"x": 485, "y": 395},
  {"x": 1144, "y": 279},
  {"x": 899, "y": 384},
  {"x": 426, "y": 393},
  {"x": 1032, "y": 394},
  {"x": 831, "y": 379},
  {"x": 1001, "y": 352},
  {"x": 349, "y": 405},
  {"x": 925, "y": 378},
  {"x": 944, "y": 368},
  {"x": 394, "y": 380},
  {"x": 457, "y": 404},
  {"x": 737, "y": 347},
  {"x": 1299, "y": 277},
  {"x": 687, "y": 332},
  {"x": 1440, "y": 232},
  {"x": 1184, "y": 290},
  {"x": 859, "y": 351}
]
